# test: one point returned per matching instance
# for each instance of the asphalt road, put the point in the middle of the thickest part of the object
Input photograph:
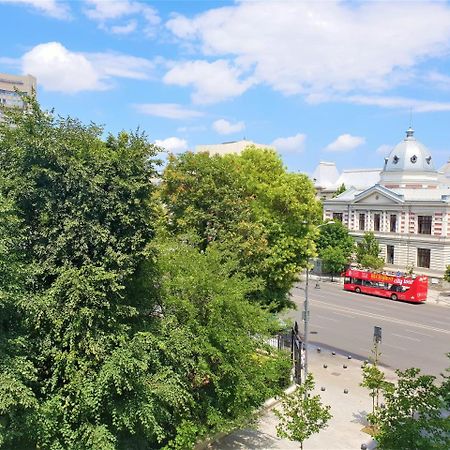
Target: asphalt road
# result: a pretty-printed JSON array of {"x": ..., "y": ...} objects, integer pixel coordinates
[{"x": 413, "y": 335}]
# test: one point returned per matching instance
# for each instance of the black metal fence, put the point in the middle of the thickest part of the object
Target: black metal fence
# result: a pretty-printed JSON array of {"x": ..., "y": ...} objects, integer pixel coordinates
[{"x": 291, "y": 341}]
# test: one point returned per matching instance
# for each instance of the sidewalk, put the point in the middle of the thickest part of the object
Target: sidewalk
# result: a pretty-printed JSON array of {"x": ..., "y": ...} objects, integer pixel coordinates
[{"x": 348, "y": 410}]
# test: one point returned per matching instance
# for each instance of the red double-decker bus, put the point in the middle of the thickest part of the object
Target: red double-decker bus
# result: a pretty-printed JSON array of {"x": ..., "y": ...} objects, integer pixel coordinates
[{"x": 408, "y": 289}]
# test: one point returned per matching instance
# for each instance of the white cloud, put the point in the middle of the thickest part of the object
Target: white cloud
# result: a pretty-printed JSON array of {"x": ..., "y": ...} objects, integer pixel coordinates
[
  {"x": 399, "y": 103},
  {"x": 212, "y": 82},
  {"x": 191, "y": 129},
  {"x": 384, "y": 149},
  {"x": 119, "y": 65},
  {"x": 290, "y": 144},
  {"x": 438, "y": 80},
  {"x": 167, "y": 110},
  {"x": 173, "y": 144},
  {"x": 321, "y": 48},
  {"x": 124, "y": 29},
  {"x": 222, "y": 126},
  {"x": 104, "y": 11},
  {"x": 345, "y": 142},
  {"x": 52, "y": 8},
  {"x": 59, "y": 69}
]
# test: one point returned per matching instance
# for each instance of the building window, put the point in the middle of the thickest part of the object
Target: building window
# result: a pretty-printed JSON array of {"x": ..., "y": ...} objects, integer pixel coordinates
[
  {"x": 424, "y": 224},
  {"x": 362, "y": 221},
  {"x": 390, "y": 254},
  {"x": 423, "y": 257},
  {"x": 393, "y": 223},
  {"x": 337, "y": 216},
  {"x": 376, "y": 222}
]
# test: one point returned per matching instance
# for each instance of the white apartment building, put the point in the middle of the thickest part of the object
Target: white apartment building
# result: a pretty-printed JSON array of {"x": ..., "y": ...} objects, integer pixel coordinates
[
  {"x": 408, "y": 210},
  {"x": 12, "y": 85}
]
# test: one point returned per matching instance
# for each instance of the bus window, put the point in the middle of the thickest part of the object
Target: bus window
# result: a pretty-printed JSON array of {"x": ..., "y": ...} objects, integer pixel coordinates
[
  {"x": 367, "y": 283},
  {"x": 347, "y": 280},
  {"x": 357, "y": 281},
  {"x": 396, "y": 288}
]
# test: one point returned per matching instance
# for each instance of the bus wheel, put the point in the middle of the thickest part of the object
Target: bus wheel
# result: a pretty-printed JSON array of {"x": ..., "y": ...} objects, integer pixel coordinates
[
  {"x": 358, "y": 290},
  {"x": 394, "y": 297}
]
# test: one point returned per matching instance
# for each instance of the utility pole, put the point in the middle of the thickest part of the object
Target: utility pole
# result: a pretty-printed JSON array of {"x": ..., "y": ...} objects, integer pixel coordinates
[
  {"x": 306, "y": 309},
  {"x": 306, "y": 322}
]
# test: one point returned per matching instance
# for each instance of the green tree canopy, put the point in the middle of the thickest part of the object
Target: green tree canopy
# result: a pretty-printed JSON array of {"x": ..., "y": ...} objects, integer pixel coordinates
[
  {"x": 447, "y": 273},
  {"x": 414, "y": 415},
  {"x": 108, "y": 339},
  {"x": 368, "y": 251},
  {"x": 334, "y": 260},
  {"x": 85, "y": 219},
  {"x": 335, "y": 235},
  {"x": 230, "y": 369},
  {"x": 340, "y": 190},
  {"x": 249, "y": 204},
  {"x": 335, "y": 247}
]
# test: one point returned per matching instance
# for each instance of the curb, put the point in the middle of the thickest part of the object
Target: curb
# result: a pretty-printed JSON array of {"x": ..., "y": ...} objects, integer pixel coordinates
[
  {"x": 274, "y": 400},
  {"x": 268, "y": 404}
]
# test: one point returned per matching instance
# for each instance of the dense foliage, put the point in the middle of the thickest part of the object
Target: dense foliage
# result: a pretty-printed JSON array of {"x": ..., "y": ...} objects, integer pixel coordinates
[
  {"x": 335, "y": 247},
  {"x": 249, "y": 205},
  {"x": 447, "y": 273},
  {"x": 110, "y": 339},
  {"x": 341, "y": 189},
  {"x": 333, "y": 260},
  {"x": 368, "y": 251},
  {"x": 415, "y": 416}
]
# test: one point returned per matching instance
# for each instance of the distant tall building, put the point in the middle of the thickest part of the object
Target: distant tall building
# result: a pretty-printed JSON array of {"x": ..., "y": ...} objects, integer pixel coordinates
[
  {"x": 12, "y": 85},
  {"x": 229, "y": 147}
]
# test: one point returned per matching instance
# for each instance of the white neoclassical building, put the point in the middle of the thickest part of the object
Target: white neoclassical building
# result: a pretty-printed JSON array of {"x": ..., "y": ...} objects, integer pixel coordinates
[{"x": 408, "y": 210}]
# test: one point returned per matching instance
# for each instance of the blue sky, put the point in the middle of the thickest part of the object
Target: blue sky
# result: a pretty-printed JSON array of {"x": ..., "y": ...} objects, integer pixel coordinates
[{"x": 320, "y": 80}]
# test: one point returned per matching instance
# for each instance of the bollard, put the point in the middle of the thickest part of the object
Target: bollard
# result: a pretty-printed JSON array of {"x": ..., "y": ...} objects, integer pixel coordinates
[
  {"x": 333, "y": 353},
  {"x": 344, "y": 366},
  {"x": 349, "y": 357},
  {"x": 318, "y": 350},
  {"x": 325, "y": 366},
  {"x": 363, "y": 447},
  {"x": 345, "y": 391},
  {"x": 322, "y": 388}
]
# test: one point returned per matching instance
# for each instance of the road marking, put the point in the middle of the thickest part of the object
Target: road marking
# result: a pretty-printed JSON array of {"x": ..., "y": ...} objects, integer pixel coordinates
[
  {"x": 439, "y": 321},
  {"x": 324, "y": 305},
  {"x": 417, "y": 332},
  {"x": 343, "y": 314},
  {"x": 406, "y": 337},
  {"x": 377, "y": 304},
  {"x": 394, "y": 346},
  {"x": 326, "y": 318}
]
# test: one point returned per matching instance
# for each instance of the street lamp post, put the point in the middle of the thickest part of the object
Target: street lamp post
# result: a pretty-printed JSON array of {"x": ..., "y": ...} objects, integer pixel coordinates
[
  {"x": 306, "y": 312},
  {"x": 306, "y": 322}
]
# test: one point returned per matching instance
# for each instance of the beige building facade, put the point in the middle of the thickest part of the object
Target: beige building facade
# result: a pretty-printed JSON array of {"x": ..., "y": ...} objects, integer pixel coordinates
[
  {"x": 229, "y": 147},
  {"x": 408, "y": 210},
  {"x": 12, "y": 85}
]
